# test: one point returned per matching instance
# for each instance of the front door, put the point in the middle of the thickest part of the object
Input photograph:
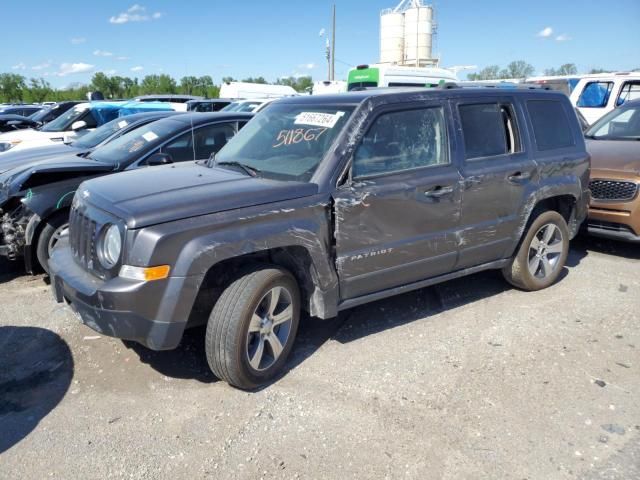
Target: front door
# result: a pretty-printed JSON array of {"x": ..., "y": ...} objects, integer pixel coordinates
[{"x": 395, "y": 221}]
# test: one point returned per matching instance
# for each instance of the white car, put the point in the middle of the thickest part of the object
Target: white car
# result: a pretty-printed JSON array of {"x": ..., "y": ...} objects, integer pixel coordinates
[
  {"x": 72, "y": 124},
  {"x": 251, "y": 105},
  {"x": 596, "y": 95}
]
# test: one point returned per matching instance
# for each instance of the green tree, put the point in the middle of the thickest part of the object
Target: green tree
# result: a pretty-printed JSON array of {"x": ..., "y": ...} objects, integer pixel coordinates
[
  {"x": 566, "y": 69},
  {"x": 260, "y": 80},
  {"x": 188, "y": 85},
  {"x": 300, "y": 84},
  {"x": 12, "y": 87},
  {"x": 492, "y": 72},
  {"x": 39, "y": 90},
  {"x": 517, "y": 69},
  {"x": 228, "y": 79},
  {"x": 598, "y": 70}
]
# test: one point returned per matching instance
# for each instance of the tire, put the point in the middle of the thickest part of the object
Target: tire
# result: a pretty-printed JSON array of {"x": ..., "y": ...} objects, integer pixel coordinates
[
  {"x": 49, "y": 236},
  {"x": 541, "y": 255},
  {"x": 247, "y": 303}
]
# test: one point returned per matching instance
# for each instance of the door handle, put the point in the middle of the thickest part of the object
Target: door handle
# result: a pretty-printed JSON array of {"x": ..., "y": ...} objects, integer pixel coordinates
[
  {"x": 439, "y": 191},
  {"x": 518, "y": 177}
]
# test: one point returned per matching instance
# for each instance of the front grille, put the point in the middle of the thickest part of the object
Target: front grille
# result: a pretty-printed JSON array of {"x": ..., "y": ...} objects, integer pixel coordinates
[
  {"x": 612, "y": 190},
  {"x": 82, "y": 231}
]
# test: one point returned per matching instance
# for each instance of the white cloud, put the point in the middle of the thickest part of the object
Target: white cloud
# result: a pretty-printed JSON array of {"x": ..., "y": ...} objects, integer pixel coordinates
[
  {"x": 545, "y": 32},
  {"x": 42, "y": 66},
  {"x": 563, "y": 38},
  {"x": 113, "y": 71},
  {"x": 19, "y": 66},
  {"x": 78, "y": 40},
  {"x": 137, "y": 68},
  {"x": 102, "y": 53},
  {"x": 135, "y": 13},
  {"x": 307, "y": 66},
  {"x": 122, "y": 58},
  {"x": 73, "y": 68}
]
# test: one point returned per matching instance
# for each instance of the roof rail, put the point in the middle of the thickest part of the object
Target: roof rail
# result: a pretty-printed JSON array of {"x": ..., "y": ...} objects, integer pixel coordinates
[{"x": 497, "y": 84}]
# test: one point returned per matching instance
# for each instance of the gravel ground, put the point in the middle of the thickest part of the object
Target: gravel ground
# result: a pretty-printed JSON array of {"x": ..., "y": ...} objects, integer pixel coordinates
[{"x": 468, "y": 379}]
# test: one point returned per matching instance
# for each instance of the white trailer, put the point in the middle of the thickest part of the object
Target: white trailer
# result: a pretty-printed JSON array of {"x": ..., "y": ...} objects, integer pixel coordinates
[{"x": 254, "y": 90}]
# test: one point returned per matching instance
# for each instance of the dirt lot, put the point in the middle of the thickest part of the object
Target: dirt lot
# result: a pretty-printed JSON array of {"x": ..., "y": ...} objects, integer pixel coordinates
[{"x": 469, "y": 379}]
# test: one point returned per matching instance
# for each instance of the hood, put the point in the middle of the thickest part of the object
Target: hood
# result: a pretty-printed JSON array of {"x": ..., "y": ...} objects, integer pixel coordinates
[
  {"x": 36, "y": 173},
  {"x": 149, "y": 196},
  {"x": 615, "y": 155},
  {"x": 12, "y": 159}
]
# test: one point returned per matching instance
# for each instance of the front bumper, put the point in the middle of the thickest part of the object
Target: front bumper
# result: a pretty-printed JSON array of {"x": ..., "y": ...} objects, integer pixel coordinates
[{"x": 154, "y": 314}]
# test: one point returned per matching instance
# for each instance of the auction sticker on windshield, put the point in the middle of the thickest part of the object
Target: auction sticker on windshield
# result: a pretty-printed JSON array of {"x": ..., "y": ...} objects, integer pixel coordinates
[
  {"x": 122, "y": 123},
  {"x": 150, "y": 136},
  {"x": 316, "y": 119}
]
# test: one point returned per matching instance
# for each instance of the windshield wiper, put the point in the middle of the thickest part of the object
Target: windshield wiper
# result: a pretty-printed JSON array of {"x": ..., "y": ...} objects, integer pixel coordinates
[{"x": 251, "y": 171}]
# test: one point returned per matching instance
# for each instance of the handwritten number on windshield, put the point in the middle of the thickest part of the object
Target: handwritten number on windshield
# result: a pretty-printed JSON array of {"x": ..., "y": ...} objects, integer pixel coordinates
[{"x": 298, "y": 135}]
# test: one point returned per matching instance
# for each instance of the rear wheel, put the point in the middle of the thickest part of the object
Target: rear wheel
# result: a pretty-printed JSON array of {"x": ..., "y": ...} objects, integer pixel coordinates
[
  {"x": 55, "y": 227},
  {"x": 252, "y": 327},
  {"x": 542, "y": 253}
]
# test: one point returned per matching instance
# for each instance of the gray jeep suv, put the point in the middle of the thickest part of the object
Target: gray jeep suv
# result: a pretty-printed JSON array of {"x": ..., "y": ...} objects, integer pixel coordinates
[{"x": 323, "y": 203}]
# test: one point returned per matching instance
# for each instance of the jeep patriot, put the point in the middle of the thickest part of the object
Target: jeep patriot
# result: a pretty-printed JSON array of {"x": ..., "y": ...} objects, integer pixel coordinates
[{"x": 323, "y": 203}]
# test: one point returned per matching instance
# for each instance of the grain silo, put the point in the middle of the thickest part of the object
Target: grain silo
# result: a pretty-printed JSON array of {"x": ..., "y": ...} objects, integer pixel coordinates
[{"x": 406, "y": 34}]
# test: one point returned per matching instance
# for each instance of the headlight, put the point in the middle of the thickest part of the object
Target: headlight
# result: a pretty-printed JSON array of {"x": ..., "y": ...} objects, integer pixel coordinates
[{"x": 111, "y": 247}]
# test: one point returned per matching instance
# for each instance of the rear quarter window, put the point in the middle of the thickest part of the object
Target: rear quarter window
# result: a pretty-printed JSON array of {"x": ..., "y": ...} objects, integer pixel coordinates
[{"x": 551, "y": 127}]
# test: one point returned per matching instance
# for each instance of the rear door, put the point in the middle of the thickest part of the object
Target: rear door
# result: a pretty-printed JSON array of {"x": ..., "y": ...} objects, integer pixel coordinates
[
  {"x": 395, "y": 221},
  {"x": 497, "y": 172}
]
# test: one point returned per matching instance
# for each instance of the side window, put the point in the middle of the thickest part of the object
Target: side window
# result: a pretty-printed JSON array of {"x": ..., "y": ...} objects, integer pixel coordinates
[
  {"x": 200, "y": 143},
  {"x": 630, "y": 91},
  {"x": 90, "y": 119},
  {"x": 203, "y": 107},
  {"x": 401, "y": 141},
  {"x": 489, "y": 130},
  {"x": 595, "y": 95},
  {"x": 551, "y": 127}
]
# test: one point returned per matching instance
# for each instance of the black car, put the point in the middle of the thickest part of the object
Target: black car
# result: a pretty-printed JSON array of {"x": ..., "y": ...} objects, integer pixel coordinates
[
  {"x": 51, "y": 112},
  {"x": 322, "y": 203},
  {"x": 35, "y": 197},
  {"x": 22, "y": 110},
  {"x": 95, "y": 138},
  {"x": 213, "y": 105}
]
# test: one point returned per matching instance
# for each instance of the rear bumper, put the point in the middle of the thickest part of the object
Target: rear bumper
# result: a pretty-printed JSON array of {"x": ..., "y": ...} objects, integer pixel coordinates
[{"x": 154, "y": 314}]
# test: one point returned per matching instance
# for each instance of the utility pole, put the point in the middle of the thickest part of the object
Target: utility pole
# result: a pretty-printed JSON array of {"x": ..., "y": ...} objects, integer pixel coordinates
[{"x": 332, "y": 76}]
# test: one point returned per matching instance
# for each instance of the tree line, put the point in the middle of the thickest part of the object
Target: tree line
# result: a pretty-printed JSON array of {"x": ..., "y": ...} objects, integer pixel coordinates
[
  {"x": 521, "y": 69},
  {"x": 18, "y": 88}
]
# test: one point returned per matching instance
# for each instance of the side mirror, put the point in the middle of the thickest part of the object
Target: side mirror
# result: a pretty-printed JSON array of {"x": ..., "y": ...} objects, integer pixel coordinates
[
  {"x": 159, "y": 159},
  {"x": 79, "y": 125}
]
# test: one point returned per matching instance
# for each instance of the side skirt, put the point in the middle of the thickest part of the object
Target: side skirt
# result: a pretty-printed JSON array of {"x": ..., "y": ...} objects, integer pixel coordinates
[{"x": 372, "y": 297}]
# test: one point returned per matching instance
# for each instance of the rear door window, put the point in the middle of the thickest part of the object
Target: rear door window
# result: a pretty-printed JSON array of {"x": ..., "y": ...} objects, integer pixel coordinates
[
  {"x": 595, "y": 95},
  {"x": 200, "y": 143},
  {"x": 551, "y": 127},
  {"x": 489, "y": 130},
  {"x": 629, "y": 91}
]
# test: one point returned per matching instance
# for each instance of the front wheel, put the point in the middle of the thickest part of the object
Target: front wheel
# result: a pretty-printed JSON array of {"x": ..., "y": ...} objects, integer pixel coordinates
[
  {"x": 542, "y": 253},
  {"x": 253, "y": 326},
  {"x": 51, "y": 233}
]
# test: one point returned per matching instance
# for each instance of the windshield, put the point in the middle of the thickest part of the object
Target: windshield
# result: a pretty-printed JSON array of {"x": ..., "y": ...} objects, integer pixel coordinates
[
  {"x": 132, "y": 145},
  {"x": 287, "y": 142},
  {"x": 40, "y": 115},
  {"x": 100, "y": 134},
  {"x": 63, "y": 122},
  {"x": 619, "y": 124}
]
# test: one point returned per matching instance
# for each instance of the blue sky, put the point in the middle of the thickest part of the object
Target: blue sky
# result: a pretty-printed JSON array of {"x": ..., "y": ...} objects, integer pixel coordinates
[{"x": 67, "y": 40}]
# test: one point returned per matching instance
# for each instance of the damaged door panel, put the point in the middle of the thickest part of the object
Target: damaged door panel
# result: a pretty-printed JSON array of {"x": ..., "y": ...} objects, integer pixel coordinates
[
  {"x": 498, "y": 175},
  {"x": 396, "y": 220}
]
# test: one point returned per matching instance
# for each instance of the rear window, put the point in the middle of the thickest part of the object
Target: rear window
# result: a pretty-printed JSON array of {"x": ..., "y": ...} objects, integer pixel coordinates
[
  {"x": 489, "y": 130},
  {"x": 551, "y": 127}
]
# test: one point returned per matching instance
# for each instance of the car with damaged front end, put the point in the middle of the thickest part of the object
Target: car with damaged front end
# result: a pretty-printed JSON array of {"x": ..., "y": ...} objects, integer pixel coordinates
[
  {"x": 321, "y": 204},
  {"x": 35, "y": 196}
]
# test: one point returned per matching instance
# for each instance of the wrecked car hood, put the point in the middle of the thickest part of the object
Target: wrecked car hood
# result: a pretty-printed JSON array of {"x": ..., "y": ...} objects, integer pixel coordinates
[
  {"x": 13, "y": 159},
  {"x": 154, "y": 195},
  {"x": 615, "y": 155},
  {"x": 46, "y": 171}
]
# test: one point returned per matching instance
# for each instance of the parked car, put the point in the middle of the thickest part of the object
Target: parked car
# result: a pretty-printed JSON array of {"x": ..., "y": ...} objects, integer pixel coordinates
[
  {"x": 584, "y": 125},
  {"x": 35, "y": 198},
  {"x": 253, "y": 105},
  {"x": 100, "y": 136},
  {"x": 562, "y": 83},
  {"x": 324, "y": 203},
  {"x": 52, "y": 111},
  {"x": 23, "y": 110},
  {"x": 596, "y": 95},
  {"x": 73, "y": 123},
  {"x": 614, "y": 145},
  {"x": 213, "y": 105},
  {"x": 10, "y": 122}
]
